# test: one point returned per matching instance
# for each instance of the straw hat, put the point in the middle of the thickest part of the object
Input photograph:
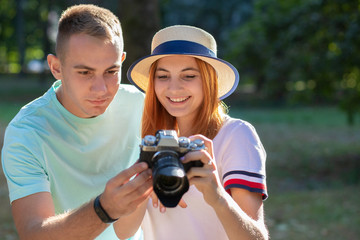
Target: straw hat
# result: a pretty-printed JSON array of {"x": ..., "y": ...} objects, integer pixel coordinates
[{"x": 185, "y": 40}]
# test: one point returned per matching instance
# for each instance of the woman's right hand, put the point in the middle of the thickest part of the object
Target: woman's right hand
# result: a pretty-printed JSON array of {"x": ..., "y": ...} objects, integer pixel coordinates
[{"x": 205, "y": 178}]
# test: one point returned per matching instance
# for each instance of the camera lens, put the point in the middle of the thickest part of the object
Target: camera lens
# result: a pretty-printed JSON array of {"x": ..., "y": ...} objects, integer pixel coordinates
[
  {"x": 168, "y": 183},
  {"x": 169, "y": 178},
  {"x": 168, "y": 172}
]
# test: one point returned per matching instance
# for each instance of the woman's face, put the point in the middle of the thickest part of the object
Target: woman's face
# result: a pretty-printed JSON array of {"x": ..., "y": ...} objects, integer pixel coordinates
[{"x": 178, "y": 86}]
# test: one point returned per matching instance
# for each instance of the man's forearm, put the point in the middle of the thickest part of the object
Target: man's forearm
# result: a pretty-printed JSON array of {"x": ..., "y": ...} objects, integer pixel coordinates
[
  {"x": 34, "y": 215},
  {"x": 126, "y": 227},
  {"x": 81, "y": 223}
]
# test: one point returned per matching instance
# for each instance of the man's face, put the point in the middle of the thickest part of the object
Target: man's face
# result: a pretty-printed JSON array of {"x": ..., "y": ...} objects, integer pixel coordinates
[{"x": 90, "y": 75}]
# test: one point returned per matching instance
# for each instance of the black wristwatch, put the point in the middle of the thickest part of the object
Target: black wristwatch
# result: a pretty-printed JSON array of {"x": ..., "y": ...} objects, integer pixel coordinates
[{"x": 100, "y": 211}]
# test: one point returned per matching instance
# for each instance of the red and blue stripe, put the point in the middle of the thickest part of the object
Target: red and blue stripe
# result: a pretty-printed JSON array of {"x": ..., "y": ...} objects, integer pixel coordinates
[{"x": 252, "y": 182}]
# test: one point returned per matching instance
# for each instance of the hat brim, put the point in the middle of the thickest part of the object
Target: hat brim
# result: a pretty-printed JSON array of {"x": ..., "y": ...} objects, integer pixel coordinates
[{"x": 227, "y": 74}]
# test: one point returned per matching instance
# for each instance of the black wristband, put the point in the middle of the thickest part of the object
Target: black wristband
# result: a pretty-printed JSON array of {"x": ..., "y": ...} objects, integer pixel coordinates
[{"x": 100, "y": 211}]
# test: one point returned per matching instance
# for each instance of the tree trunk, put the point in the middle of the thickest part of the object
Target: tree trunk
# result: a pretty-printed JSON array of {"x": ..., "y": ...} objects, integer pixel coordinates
[
  {"x": 140, "y": 21},
  {"x": 20, "y": 34}
]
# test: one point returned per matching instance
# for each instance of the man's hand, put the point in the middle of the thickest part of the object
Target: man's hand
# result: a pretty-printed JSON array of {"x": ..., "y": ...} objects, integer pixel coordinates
[{"x": 126, "y": 191}]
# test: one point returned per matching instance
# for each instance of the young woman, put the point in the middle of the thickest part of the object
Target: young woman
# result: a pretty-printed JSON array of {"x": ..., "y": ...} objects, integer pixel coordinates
[{"x": 184, "y": 83}]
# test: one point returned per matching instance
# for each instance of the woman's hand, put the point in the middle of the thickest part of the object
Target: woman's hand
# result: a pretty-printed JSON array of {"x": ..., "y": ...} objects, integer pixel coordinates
[{"x": 205, "y": 178}]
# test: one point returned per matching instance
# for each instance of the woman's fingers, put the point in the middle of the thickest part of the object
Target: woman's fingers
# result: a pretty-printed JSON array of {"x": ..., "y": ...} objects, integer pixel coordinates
[{"x": 207, "y": 142}]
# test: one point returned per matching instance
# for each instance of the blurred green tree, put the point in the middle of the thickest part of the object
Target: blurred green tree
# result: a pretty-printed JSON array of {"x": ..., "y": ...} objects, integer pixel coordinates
[
  {"x": 140, "y": 20},
  {"x": 23, "y": 33},
  {"x": 302, "y": 51},
  {"x": 219, "y": 18}
]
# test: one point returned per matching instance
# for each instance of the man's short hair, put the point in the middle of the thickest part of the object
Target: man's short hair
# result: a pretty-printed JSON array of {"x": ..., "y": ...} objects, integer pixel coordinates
[{"x": 88, "y": 19}]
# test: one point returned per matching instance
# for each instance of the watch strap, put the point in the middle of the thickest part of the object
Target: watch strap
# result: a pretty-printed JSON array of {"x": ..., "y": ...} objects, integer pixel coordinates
[{"x": 100, "y": 211}]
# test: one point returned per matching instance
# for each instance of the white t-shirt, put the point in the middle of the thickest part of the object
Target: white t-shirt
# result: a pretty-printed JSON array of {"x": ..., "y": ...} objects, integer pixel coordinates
[
  {"x": 48, "y": 149},
  {"x": 240, "y": 159}
]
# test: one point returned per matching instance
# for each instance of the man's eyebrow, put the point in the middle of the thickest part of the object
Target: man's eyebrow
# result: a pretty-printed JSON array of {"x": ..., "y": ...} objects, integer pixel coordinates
[
  {"x": 80, "y": 66},
  {"x": 114, "y": 66}
]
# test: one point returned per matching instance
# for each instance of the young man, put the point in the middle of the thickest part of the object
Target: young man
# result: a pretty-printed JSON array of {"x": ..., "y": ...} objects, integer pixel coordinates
[{"x": 69, "y": 155}]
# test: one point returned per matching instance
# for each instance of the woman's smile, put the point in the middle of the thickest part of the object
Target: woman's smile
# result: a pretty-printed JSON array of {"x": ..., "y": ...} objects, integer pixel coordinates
[{"x": 178, "y": 99}]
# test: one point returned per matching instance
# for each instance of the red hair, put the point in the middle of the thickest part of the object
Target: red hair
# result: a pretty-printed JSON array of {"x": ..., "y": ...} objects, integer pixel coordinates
[{"x": 209, "y": 119}]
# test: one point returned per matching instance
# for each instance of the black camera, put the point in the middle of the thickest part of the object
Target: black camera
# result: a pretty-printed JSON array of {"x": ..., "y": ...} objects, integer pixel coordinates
[{"x": 162, "y": 153}]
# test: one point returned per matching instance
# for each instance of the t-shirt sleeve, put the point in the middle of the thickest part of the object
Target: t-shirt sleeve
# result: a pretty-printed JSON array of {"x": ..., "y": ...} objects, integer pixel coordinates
[
  {"x": 242, "y": 158},
  {"x": 24, "y": 173}
]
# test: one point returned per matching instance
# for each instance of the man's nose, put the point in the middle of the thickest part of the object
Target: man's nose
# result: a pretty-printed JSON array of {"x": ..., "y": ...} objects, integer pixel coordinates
[{"x": 99, "y": 84}]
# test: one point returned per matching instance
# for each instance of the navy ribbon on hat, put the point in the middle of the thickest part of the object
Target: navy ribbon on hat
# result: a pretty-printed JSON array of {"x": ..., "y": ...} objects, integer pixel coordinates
[{"x": 183, "y": 47}]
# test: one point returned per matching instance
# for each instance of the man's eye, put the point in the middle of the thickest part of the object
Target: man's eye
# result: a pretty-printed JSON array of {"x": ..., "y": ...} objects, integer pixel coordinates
[
  {"x": 113, "y": 72},
  {"x": 83, "y": 72}
]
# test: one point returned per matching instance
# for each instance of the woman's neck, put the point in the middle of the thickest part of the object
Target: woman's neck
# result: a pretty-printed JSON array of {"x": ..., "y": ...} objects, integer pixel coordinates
[{"x": 185, "y": 127}]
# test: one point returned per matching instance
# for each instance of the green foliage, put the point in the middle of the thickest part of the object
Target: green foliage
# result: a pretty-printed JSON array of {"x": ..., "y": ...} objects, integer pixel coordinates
[
  {"x": 301, "y": 51},
  {"x": 217, "y": 17},
  {"x": 23, "y": 33}
]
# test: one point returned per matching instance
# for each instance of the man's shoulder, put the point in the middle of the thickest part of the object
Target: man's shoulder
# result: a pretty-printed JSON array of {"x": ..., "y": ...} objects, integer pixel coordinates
[
  {"x": 35, "y": 108},
  {"x": 129, "y": 88},
  {"x": 130, "y": 92}
]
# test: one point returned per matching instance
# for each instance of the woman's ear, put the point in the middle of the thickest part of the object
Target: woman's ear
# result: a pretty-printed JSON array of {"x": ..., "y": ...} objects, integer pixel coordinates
[{"x": 55, "y": 66}]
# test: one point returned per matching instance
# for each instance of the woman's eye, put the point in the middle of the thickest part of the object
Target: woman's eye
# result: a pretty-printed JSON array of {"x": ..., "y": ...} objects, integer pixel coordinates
[
  {"x": 189, "y": 77},
  {"x": 161, "y": 77}
]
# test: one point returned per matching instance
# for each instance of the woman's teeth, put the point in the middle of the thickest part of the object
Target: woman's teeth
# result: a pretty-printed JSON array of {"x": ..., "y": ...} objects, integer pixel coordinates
[{"x": 179, "y": 99}]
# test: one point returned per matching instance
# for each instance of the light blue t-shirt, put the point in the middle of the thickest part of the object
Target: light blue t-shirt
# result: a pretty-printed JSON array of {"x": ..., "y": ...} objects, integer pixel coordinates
[{"x": 48, "y": 149}]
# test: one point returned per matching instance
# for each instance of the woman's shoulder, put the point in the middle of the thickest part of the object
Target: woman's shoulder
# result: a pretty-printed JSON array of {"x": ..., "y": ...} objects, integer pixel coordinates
[
  {"x": 236, "y": 130},
  {"x": 236, "y": 124}
]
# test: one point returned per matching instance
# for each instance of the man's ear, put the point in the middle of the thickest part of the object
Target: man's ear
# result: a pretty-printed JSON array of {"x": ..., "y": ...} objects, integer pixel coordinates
[{"x": 55, "y": 66}]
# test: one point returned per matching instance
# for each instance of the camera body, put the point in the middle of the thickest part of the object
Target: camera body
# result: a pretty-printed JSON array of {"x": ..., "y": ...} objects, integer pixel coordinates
[{"x": 162, "y": 153}]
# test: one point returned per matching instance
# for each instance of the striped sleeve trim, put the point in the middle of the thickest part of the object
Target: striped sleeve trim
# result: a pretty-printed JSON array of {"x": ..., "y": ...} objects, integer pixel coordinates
[{"x": 252, "y": 182}]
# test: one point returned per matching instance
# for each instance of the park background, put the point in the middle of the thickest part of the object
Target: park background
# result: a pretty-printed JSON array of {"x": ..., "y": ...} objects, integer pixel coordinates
[{"x": 299, "y": 64}]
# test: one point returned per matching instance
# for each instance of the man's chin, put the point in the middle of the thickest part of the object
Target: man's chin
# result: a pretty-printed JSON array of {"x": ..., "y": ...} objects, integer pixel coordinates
[{"x": 96, "y": 112}]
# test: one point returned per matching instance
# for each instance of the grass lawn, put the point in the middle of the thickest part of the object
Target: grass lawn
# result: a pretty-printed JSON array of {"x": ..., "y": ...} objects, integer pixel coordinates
[
  {"x": 313, "y": 172},
  {"x": 314, "y": 214}
]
